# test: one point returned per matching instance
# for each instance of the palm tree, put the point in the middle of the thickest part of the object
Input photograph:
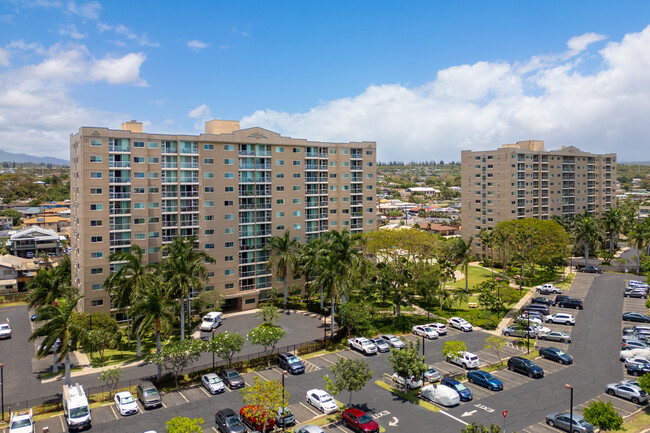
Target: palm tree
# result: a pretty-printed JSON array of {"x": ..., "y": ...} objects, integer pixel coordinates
[
  {"x": 60, "y": 324},
  {"x": 460, "y": 253},
  {"x": 486, "y": 239},
  {"x": 125, "y": 283},
  {"x": 501, "y": 240},
  {"x": 639, "y": 237},
  {"x": 184, "y": 270},
  {"x": 152, "y": 307},
  {"x": 284, "y": 254},
  {"x": 612, "y": 221},
  {"x": 309, "y": 263},
  {"x": 48, "y": 286},
  {"x": 587, "y": 228}
]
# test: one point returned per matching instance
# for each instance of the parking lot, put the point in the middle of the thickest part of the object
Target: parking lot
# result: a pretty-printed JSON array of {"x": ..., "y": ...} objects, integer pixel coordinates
[{"x": 596, "y": 342}]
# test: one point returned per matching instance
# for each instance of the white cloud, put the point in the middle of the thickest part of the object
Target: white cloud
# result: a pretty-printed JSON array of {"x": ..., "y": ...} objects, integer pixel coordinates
[
  {"x": 199, "y": 112},
  {"x": 4, "y": 57},
  {"x": 89, "y": 10},
  {"x": 122, "y": 30},
  {"x": 120, "y": 70},
  {"x": 484, "y": 105},
  {"x": 197, "y": 45},
  {"x": 71, "y": 30}
]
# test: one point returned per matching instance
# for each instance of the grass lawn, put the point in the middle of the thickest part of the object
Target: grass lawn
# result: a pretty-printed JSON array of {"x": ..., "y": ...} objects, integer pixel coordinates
[
  {"x": 476, "y": 276},
  {"x": 637, "y": 423}
]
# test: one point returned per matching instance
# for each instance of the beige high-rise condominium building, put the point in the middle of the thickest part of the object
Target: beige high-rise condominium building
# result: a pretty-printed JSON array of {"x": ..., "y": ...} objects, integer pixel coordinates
[
  {"x": 232, "y": 188},
  {"x": 523, "y": 180}
]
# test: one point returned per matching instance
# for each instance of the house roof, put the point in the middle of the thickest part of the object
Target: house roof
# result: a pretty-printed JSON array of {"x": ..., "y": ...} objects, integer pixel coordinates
[{"x": 34, "y": 232}]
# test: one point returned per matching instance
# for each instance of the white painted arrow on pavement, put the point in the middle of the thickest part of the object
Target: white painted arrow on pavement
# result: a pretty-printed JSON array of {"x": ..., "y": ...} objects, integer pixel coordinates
[
  {"x": 394, "y": 422},
  {"x": 468, "y": 413}
]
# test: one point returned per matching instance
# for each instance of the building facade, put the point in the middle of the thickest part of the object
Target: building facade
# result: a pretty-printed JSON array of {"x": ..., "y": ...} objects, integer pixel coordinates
[
  {"x": 231, "y": 188},
  {"x": 523, "y": 180}
]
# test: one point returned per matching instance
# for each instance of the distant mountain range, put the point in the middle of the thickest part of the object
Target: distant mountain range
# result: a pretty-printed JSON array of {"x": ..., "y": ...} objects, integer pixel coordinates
[{"x": 22, "y": 157}]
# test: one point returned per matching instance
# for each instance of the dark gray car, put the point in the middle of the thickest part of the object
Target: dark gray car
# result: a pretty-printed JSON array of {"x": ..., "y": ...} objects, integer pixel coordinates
[
  {"x": 148, "y": 395},
  {"x": 232, "y": 378},
  {"x": 228, "y": 421}
]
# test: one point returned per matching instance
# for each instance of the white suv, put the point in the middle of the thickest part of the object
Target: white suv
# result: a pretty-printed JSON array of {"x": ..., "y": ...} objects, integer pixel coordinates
[
  {"x": 564, "y": 318},
  {"x": 467, "y": 360},
  {"x": 460, "y": 323}
]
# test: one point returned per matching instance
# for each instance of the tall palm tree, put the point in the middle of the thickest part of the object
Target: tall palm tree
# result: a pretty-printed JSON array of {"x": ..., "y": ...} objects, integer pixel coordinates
[
  {"x": 460, "y": 253},
  {"x": 48, "y": 286},
  {"x": 639, "y": 237},
  {"x": 153, "y": 308},
  {"x": 284, "y": 255},
  {"x": 501, "y": 241},
  {"x": 59, "y": 325},
  {"x": 587, "y": 228},
  {"x": 184, "y": 270},
  {"x": 309, "y": 263},
  {"x": 486, "y": 239},
  {"x": 123, "y": 285},
  {"x": 612, "y": 221}
]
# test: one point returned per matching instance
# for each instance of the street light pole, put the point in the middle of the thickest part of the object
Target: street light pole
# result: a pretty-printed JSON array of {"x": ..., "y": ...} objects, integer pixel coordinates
[
  {"x": 528, "y": 334},
  {"x": 423, "y": 346},
  {"x": 567, "y": 386},
  {"x": 213, "y": 350},
  {"x": 284, "y": 373},
  {"x": 2, "y": 389}
]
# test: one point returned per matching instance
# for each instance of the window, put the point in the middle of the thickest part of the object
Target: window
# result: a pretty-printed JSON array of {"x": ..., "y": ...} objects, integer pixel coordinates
[
  {"x": 333, "y": 175},
  {"x": 139, "y": 236},
  {"x": 368, "y": 186},
  {"x": 95, "y": 158},
  {"x": 332, "y": 187},
  {"x": 230, "y": 272},
  {"x": 209, "y": 218},
  {"x": 228, "y": 203},
  {"x": 229, "y": 161},
  {"x": 210, "y": 189},
  {"x": 279, "y": 214},
  {"x": 296, "y": 201},
  {"x": 97, "y": 286},
  {"x": 333, "y": 199},
  {"x": 208, "y": 147},
  {"x": 227, "y": 189},
  {"x": 229, "y": 217},
  {"x": 279, "y": 201},
  {"x": 95, "y": 191},
  {"x": 95, "y": 174},
  {"x": 96, "y": 255},
  {"x": 209, "y": 246},
  {"x": 279, "y": 150},
  {"x": 154, "y": 220},
  {"x": 296, "y": 150},
  {"x": 97, "y": 143},
  {"x": 154, "y": 235},
  {"x": 296, "y": 175},
  {"x": 279, "y": 162},
  {"x": 209, "y": 203},
  {"x": 138, "y": 220},
  {"x": 345, "y": 151},
  {"x": 333, "y": 223},
  {"x": 370, "y": 221},
  {"x": 369, "y": 176},
  {"x": 208, "y": 175},
  {"x": 96, "y": 271},
  {"x": 95, "y": 206},
  {"x": 153, "y": 160},
  {"x": 332, "y": 164},
  {"x": 296, "y": 163},
  {"x": 227, "y": 147},
  {"x": 154, "y": 205},
  {"x": 138, "y": 174},
  {"x": 229, "y": 244},
  {"x": 209, "y": 232},
  {"x": 96, "y": 239},
  {"x": 345, "y": 187},
  {"x": 369, "y": 198},
  {"x": 153, "y": 175},
  {"x": 153, "y": 190},
  {"x": 138, "y": 159},
  {"x": 297, "y": 226},
  {"x": 296, "y": 188},
  {"x": 152, "y": 145},
  {"x": 279, "y": 175},
  {"x": 368, "y": 164},
  {"x": 228, "y": 175},
  {"x": 369, "y": 210},
  {"x": 138, "y": 144},
  {"x": 332, "y": 211},
  {"x": 332, "y": 151},
  {"x": 228, "y": 231},
  {"x": 154, "y": 250},
  {"x": 208, "y": 160},
  {"x": 345, "y": 210},
  {"x": 279, "y": 227},
  {"x": 368, "y": 152},
  {"x": 138, "y": 205},
  {"x": 96, "y": 223},
  {"x": 229, "y": 286},
  {"x": 297, "y": 213},
  {"x": 345, "y": 164},
  {"x": 279, "y": 188},
  {"x": 96, "y": 302}
]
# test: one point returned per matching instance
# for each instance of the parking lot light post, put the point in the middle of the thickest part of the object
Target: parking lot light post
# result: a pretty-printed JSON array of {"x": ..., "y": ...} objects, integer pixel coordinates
[
  {"x": 213, "y": 350},
  {"x": 569, "y": 387},
  {"x": 2, "y": 389},
  {"x": 528, "y": 334},
  {"x": 284, "y": 373},
  {"x": 422, "y": 346}
]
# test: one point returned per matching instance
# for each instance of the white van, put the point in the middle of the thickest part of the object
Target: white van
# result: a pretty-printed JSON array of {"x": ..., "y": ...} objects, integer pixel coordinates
[
  {"x": 211, "y": 321},
  {"x": 76, "y": 410},
  {"x": 441, "y": 394}
]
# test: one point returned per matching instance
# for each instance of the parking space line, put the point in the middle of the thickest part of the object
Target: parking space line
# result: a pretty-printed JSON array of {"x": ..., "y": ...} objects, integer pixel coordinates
[
  {"x": 62, "y": 425},
  {"x": 259, "y": 376},
  {"x": 325, "y": 359},
  {"x": 163, "y": 403},
  {"x": 453, "y": 417},
  {"x": 206, "y": 392},
  {"x": 546, "y": 426},
  {"x": 215, "y": 429},
  {"x": 308, "y": 408},
  {"x": 184, "y": 398},
  {"x": 140, "y": 407},
  {"x": 113, "y": 410}
]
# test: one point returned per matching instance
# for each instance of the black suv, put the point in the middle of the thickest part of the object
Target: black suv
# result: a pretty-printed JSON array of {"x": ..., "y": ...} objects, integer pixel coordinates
[
  {"x": 591, "y": 270},
  {"x": 560, "y": 298},
  {"x": 525, "y": 366},
  {"x": 291, "y": 363},
  {"x": 571, "y": 303}
]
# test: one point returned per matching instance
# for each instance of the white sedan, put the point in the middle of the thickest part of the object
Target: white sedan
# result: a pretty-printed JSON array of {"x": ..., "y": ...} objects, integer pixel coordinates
[
  {"x": 460, "y": 323},
  {"x": 322, "y": 401},
  {"x": 440, "y": 328},
  {"x": 125, "y": 403},
  {"x": 425, "y": 331},
  {"x": 522, "y": 319},
  {"x": 5, "y": 330},
  {"x": 213, "y": 383}
]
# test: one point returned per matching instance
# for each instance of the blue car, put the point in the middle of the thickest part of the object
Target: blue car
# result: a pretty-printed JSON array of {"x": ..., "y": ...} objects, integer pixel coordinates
[
  {"x": 464, "y": 392},
  {"x": 485, "y": 379}
]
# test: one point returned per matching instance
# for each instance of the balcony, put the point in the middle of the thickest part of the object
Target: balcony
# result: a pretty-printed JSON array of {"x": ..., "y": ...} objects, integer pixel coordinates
[
  {"x": 119, "y": 195},
  {"x": 167, "y": 179},
  {"x": 169, "y": 165},
  {"x": 316, "y": 154},
  {"x": 120, "y": 211},
  {"x": 119, "y": 148},
  {"x": 119, "y": 164},
  {"x": 116, "y": 227},
  {"x": 189, "y": 165},
  {"x": 170, "y": 209},
  {"x": 123, "y": 179}
]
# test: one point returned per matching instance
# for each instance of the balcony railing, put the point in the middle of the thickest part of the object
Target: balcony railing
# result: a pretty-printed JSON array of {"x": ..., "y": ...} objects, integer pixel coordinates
[
  {"x": 119, "y": 164},
  {"x": 124, "y": 179}
]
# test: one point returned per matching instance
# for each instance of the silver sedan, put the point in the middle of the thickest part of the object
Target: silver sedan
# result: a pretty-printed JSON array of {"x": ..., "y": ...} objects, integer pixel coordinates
[
  {"x": 562, "y": 337},
  {"x": 627, "y": 390}
]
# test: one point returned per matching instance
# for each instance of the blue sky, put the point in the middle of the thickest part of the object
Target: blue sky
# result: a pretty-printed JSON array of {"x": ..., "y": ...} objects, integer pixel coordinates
[{"x": 424, "y": 79}]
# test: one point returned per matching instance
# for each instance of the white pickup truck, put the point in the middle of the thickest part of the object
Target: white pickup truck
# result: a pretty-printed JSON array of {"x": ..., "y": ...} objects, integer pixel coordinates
[
  {"x": 363, "y": 345},
  {"x": 548, "y": 289},
  {"x": 21, "y": 422}
]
